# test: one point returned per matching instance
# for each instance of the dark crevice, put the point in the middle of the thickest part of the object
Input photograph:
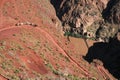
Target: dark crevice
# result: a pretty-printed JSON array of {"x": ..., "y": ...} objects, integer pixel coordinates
[
  {"x": 56, "y": 4},
  {"x": 106, "y": 12}
]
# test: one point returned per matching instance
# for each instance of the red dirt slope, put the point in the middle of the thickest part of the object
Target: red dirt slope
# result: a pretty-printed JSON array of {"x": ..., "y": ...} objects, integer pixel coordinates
[{"x": 31, "y": 46}]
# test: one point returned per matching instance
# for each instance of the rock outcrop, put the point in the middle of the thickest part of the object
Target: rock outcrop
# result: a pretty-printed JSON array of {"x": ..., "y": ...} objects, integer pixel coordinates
[
  {"x": 80, "y": 12},
  {"x": 89, "y": 18}
]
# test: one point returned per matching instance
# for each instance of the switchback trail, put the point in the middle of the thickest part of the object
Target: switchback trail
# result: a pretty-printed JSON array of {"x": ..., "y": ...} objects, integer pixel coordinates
[
  {"x": 49, "y": 37},
  {"x": 64, "y": 52}
]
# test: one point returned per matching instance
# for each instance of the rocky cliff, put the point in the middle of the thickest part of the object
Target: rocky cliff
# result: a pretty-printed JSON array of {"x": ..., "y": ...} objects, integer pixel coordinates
[{"x": 90, "y": 18}]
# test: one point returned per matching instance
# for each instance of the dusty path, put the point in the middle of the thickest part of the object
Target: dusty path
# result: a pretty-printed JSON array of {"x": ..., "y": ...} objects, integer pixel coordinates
[
  {"x": 54, "y": 42},
  {"x": 103, "y": 72},
  {"x": 63, "y": 51},
  {"x": 49, "y": 37}
]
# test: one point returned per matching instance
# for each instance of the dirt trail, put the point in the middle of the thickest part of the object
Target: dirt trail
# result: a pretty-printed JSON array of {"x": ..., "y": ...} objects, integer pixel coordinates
[
  {"x": 63, "y": 51},
  {"x": 47, "y": 35},
  {"x": 54, "y": 42},
  {"x": 103, "y": 72}
]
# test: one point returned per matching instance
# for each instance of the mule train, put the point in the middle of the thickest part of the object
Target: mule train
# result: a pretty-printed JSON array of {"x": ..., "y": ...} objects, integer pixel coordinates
[{"x": 26, "y": 23}]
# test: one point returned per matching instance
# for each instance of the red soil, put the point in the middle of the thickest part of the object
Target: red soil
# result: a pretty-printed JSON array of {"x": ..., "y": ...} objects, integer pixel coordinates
[
  {"x": 2, "y": 77},
  {"x": 30, "y": 49}
]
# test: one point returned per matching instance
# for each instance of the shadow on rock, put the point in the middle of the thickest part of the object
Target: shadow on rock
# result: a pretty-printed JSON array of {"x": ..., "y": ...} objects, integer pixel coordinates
[
  {"x": 56, "y": 4},
  {"x": 108, "y": 53}
]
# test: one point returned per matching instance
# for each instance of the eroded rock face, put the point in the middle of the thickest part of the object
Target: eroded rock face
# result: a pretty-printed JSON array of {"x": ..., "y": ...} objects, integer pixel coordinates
[
  {"x": 77, "y": 12},
  {"x": 90, "y": 18},
  {"x": 105, "y": 31},
  {"x": 83, "y": 16}
]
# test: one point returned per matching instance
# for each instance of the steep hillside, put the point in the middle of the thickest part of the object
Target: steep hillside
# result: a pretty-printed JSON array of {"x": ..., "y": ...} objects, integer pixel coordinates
[{"x": 32, "y": 45}]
